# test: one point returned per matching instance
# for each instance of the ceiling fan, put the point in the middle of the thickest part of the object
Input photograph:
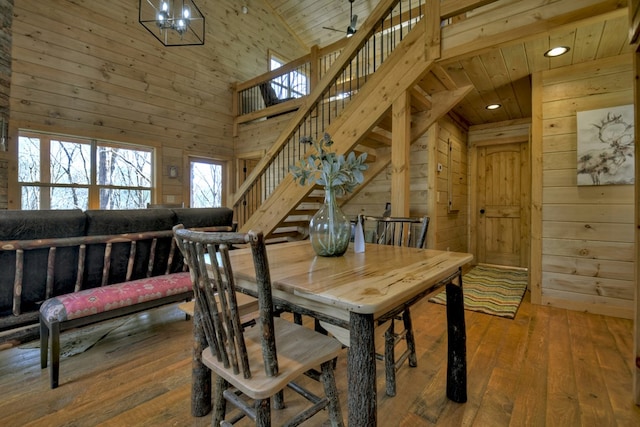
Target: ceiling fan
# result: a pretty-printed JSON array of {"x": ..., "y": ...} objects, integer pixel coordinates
[{"x": 353, "y": 19}]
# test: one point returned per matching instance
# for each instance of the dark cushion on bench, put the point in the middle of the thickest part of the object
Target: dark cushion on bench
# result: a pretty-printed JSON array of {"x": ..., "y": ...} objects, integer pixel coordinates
[
  {"x": 46, "y": 224},
  {"x": 103, "y": 222},
  {"x": 98, "y": 300},
  {"x": 203, "y": 217}
]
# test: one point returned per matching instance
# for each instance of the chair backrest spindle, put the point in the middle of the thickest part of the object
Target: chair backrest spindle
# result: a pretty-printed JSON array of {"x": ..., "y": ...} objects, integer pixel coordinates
[{"x": 397, "y": 231}]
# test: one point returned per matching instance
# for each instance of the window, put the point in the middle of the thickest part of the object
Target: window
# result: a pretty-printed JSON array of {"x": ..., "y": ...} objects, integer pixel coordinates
[
  {"x": 206, "y": 183},
  {"x": 61, "y": 172},
  {"x": 290, "y": 85}
]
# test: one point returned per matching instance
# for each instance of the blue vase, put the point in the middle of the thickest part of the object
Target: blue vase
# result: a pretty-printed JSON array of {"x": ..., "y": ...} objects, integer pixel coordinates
[{"x": 329, "y": 228}]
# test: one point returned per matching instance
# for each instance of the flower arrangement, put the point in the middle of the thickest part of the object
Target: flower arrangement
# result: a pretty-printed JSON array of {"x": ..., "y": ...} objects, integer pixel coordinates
[{"x": 337, "y": 172}]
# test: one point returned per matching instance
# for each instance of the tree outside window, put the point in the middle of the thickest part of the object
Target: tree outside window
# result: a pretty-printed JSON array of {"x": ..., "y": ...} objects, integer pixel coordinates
[
  {"x": 206, "y": 183},
  {"x": 57, "y": 172}
]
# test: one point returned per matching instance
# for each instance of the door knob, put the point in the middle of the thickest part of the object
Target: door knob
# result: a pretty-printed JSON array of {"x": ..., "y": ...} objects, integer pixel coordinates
[{"x": 481, "y": 211}]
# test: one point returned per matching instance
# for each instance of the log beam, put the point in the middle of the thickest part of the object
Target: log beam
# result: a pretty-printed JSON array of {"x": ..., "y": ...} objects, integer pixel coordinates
[{"x": 400, "y": 160}]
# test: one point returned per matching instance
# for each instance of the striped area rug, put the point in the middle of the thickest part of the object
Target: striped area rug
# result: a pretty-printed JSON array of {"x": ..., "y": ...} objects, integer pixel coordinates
[{"x": 491, "y": 290}]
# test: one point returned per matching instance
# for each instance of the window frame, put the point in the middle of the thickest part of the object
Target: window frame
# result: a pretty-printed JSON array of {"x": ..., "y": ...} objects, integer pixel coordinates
[
  {"x": 283, "y": 85},
  {"x": 44, "y": 183},
  {"x": 223, "y": 163}
]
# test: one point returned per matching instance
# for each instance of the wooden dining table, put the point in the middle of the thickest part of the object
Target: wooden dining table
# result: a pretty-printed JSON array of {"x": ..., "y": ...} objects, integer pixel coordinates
[{"x": 353, "y": 291}]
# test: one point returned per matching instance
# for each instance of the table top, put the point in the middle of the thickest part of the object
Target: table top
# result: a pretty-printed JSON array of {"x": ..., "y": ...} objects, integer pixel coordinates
[{"x": 371, "y": 282}]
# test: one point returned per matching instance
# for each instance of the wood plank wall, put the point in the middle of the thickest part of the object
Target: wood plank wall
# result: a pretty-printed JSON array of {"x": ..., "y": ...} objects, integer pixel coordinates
[
  {"x": 372, "y": 199},
  {"x": 452, "y": 228},
  {"x": 428, "y": 196},
  {"x": 587, "y": 233},
  {"x": 6, "y": 16},
  {"x": 91, "y": 69}
]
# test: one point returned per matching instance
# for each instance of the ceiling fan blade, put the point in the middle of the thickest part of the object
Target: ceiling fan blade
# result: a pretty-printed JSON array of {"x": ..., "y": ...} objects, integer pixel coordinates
[
  {"x": 354, "y": 21},
  {"x": 333, "y": 29}
]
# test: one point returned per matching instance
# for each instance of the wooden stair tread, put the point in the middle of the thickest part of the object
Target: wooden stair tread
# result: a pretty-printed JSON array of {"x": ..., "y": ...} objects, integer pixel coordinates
[
  {"x": 296, "y": 223},
  {"x": 292, "y": 234},
  {"x": 307, "y": 212}
]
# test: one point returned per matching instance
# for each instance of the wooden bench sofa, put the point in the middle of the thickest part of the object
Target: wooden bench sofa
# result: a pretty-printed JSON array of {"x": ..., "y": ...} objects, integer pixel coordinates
[{"x": 72, "y": 268}]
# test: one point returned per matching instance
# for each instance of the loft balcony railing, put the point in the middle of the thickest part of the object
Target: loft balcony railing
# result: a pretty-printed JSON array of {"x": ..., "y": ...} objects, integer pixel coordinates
[
  {"x": 296, "y": 79},
  {"x": 324, "y": 80}
]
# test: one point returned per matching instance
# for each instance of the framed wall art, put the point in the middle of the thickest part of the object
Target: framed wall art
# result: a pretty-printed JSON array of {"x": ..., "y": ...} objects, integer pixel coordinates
[{"x": 606, "y": 146}]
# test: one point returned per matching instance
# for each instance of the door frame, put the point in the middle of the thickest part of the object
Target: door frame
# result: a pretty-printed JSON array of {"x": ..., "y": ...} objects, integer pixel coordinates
[
  {"x": 240, "y": 158},
  {"x": 473, "y": 173}
]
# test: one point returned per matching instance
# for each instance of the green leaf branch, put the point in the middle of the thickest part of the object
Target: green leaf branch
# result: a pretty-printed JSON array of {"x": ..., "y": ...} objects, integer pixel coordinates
[{"x": 323, "y": 167}]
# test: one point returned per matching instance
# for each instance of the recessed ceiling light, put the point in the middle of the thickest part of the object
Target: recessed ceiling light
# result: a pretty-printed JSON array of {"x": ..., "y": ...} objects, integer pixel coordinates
[
  {"x": 493, "y": 106},
  {"x": 556, "y": 51}
]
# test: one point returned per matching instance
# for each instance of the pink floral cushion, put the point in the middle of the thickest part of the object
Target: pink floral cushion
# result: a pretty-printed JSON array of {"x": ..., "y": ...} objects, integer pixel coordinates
[{"x": 97, "y": 300}]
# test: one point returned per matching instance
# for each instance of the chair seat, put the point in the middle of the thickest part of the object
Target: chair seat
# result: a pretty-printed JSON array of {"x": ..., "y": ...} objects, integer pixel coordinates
[{"x": 294, "y": 359}]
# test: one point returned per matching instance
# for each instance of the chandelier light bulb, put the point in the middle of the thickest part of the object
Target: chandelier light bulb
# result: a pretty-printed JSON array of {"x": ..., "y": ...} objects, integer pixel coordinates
[
  {"x": 163, "y": 15},
  {"x": 162, "y": 19},
  {"x": 181, "y": 27}
]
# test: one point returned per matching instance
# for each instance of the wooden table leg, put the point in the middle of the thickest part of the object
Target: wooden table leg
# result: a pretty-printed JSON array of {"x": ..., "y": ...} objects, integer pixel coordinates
[
  {"x": 200, "y": 374},
  {"x": 457, "y": 345},
  {"x": 361, "y": 372}
]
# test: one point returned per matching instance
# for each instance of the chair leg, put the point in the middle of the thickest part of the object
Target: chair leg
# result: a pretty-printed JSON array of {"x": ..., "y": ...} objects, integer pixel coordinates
[
  {"x": 187, "y": 317},
  {"x": 331, "y": 391},
  {"x": 55, "y": 353},
  {"x": 318, "y": 327},
  {"x": 411, "y": 342},
  {"x": 390, "y": 359},
  {"x": 263, "y": 413},
  {"x": 219, "y": 402},
  {"x": 44, "y": 343},
  {"x": 278, "y": 400},
  {"x": 297, "y": 318}
]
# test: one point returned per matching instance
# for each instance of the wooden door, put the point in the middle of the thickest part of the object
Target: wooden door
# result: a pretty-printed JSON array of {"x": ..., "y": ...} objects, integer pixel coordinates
[{"x": 502, "y": 202}]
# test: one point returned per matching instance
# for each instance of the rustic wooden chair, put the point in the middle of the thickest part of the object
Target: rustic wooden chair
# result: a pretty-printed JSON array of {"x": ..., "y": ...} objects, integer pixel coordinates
[
  {"x": 247, "y": 359},
  {"x": 397, "y": 231}
]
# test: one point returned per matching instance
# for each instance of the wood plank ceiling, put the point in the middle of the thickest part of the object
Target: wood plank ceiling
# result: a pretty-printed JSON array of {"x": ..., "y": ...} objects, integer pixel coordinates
[{"x": 501, "y": 75}]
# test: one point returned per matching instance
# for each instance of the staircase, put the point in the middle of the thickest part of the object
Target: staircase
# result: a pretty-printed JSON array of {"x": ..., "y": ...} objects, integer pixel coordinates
[{"x": 358, "y": 111}]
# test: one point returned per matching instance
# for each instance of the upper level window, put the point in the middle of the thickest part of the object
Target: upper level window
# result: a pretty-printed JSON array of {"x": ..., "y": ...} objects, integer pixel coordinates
[
  {"x": 61, "y": 172},
  {"x": 290, "y": 85}
]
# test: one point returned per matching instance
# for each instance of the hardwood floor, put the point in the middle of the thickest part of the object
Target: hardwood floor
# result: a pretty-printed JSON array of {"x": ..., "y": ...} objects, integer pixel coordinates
[{"x": 546, "y": 367}]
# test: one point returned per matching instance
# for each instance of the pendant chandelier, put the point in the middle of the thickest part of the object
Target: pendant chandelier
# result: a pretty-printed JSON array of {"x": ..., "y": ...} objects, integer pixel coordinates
[{"x": 173, "y": 22}]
